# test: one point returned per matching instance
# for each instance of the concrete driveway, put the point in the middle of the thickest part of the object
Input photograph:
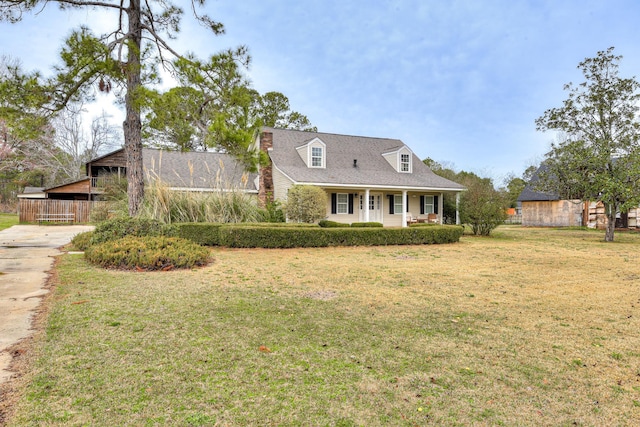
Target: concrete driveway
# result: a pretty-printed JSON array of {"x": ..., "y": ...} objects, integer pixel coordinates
[{"x": 26, "y": 257}]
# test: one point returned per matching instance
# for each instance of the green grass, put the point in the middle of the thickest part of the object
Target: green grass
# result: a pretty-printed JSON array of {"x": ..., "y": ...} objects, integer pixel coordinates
[
  {"x": 8, "y": 220},
  {"x": 524, "y": 328}
]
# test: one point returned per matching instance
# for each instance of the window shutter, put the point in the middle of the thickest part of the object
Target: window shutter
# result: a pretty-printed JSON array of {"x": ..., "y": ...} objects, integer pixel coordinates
[
  {"x": 350, "y": 203},
  {"x": 390, "y": 197},
  {"x": 421, "y": 205},
  {"x": 435, "y": 205},
  {"x": 407, "y": 203},
  {"x": 334, "y": 203}
]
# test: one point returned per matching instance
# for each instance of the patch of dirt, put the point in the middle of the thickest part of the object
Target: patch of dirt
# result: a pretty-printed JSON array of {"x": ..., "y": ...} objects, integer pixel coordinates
[{"x": 321, "y": 295}]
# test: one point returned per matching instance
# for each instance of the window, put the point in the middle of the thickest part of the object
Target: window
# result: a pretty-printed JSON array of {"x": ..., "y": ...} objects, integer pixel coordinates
[
  {"x": 342, "y": 203},
  {"x": 405, "y": 165},
  {"x": 429, "y": 205},
  {"x": 397, "y": 203},
  {"x": 316, "y": 157}
]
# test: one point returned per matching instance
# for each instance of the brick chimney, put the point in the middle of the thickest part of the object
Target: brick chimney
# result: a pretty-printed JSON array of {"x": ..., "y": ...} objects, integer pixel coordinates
[{"x": 265, "y": 192}]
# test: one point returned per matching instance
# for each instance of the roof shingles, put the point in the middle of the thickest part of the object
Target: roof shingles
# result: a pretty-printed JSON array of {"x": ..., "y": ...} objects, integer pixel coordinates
[{"x": 341, "y": 150}]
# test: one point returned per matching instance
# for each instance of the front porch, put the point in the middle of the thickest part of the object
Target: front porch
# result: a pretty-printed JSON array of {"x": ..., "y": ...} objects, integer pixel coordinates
[{"x": 392, "y": 208}]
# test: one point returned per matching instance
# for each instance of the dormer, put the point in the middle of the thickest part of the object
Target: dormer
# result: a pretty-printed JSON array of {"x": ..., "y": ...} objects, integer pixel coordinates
[
  {"x": 400, "y": 159},
  {"x": 314, "y": 153}
]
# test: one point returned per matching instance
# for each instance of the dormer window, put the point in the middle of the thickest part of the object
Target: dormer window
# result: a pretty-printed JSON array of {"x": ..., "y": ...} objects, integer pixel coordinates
[
  {"x": 400, "y": 159},
  {"x": 405, "y": 163},
  {"x": 316, "y": 157},
  {"x": 313, "y": 153}
]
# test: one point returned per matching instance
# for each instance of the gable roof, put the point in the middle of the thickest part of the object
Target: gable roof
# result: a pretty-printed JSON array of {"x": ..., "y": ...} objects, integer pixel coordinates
[
  {"x": 197, "y": 169},
  {"x": 528, "y": 194},
  {"x": 341, "y": 150}
]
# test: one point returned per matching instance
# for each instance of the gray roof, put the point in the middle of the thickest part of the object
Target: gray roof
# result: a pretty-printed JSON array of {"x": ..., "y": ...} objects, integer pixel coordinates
[
  {"x": 372, "y": 169},
  {"x": 197, "y": 169},
  {"x": 31, "y": 190},
  {"x": 530, "y": 195}
]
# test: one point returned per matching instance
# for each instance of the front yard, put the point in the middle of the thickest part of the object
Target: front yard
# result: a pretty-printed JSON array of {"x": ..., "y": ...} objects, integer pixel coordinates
[{"x": 530, "y": 327}]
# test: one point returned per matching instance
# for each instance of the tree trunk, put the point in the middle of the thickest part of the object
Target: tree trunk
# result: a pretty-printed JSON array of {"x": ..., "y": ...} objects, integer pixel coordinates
[
  {"x": 611, "y": 223},
  {"x": 132, "y": 125}
]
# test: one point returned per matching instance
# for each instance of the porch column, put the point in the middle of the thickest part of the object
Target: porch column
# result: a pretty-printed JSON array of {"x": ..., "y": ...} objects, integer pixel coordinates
[
  {"x": 404, "y": 208},
  {"x": 457, "y": 208},
  {"x": 365, "y": 205}
]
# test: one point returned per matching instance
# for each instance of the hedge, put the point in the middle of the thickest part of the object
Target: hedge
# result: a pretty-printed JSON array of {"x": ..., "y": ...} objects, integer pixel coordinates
[{"x": 300, "y": 237}]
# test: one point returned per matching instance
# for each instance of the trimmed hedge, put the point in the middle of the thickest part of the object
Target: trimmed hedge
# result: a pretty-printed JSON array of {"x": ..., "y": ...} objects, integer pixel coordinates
[
  {"x": 203, "y": 233},
  {"x": 366, "y": 224},
  {"x": 296, "y": 237},
  {"x": 325, "y": 223}
]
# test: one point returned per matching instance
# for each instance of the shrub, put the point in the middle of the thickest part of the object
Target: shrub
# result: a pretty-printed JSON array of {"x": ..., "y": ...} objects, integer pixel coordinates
[
  {"x": 120, "y": 227},
  {"x": 82, "y": 241},
  {"x": 325, "y": 223},
  {"x": 203, "y": 233},
  {"x": 306, "y": 203},
  {"x": 148, "y": 253},
  {"x": 272, "y": 212},
  {"x": 366, "y": 224},
  {"x": 293, "y": 237},
  {"x": 482, "y": 207}
]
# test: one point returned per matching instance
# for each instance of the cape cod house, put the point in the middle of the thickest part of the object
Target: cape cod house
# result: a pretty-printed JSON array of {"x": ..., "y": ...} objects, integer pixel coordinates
[{"x": 366, "y": 179}]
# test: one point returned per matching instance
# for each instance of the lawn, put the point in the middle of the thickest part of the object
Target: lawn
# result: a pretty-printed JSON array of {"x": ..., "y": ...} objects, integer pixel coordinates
[
  {"x": 530, "y": 327},
  {"x": 8, "y": 220}
]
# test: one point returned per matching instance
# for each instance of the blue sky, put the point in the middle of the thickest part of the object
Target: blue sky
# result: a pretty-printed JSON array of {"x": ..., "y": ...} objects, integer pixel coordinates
[{"x": 461, "y": 82}]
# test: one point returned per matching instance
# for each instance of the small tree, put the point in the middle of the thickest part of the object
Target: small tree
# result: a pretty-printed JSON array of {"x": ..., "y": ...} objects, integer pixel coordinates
[
  {"x": 482, "y": 206},
  {"x": 306, "y": 203}
]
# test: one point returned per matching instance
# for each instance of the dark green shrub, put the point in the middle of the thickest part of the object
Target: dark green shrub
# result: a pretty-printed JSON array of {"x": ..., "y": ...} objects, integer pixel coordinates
[
  {"x": 366, "y": 224},
  {"x": 148, "y": 253},
  {"x": 120, "y": 227},
  {"x": 203, "y": 233},
  {"x": 272, "y": 212},
  {"x": 294, "y": 237},
  {"x": 272, "y": 237},
  {"x": 325, "y": 223},
  {"x": 82, "y": 241}
]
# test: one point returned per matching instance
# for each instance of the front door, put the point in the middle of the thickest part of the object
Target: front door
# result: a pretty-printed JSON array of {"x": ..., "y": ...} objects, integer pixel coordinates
[{"x": 374, "y": 206}]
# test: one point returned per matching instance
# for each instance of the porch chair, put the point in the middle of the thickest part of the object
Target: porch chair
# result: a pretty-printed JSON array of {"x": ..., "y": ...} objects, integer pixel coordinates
[{"x": 411, "y": 219}]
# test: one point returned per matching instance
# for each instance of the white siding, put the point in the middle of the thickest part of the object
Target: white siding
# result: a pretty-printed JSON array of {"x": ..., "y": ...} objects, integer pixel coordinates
[{"x": 281, "y": 185}]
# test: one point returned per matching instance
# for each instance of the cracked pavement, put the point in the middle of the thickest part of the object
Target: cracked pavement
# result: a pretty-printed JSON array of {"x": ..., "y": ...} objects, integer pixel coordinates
[{"x": 26, "y": 256}]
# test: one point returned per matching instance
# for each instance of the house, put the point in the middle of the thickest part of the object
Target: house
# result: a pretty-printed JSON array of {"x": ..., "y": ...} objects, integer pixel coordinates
[
  {"x": 180, "y": 171},
  {"x": 202, "y": 171},
  {"x": 189, "y": 171},
  {"x": 366, "y": 179},
  {"x": 540, "y": 209}
]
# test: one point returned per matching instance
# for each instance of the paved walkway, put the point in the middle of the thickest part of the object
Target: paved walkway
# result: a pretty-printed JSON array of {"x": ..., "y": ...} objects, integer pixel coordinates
[{"x": 26, "y": 257}]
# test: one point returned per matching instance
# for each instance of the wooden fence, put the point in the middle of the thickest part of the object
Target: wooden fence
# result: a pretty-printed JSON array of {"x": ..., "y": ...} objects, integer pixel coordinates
[{"x": 33, "y": 210}]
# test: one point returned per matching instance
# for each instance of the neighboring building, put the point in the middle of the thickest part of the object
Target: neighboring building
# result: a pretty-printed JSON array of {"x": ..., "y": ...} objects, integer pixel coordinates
[
  {"x": 548, "y": 210},
  {"x": 366, "y": 179}
]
